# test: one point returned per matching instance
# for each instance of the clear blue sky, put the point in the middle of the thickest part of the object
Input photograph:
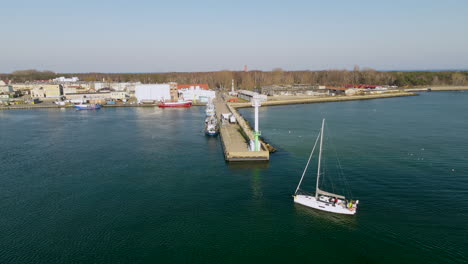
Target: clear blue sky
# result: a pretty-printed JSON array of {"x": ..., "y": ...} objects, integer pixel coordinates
[{"x": 162, "y": 36}]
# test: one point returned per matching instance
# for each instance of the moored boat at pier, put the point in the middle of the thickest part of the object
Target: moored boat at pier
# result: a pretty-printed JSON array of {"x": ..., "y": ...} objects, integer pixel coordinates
[
  {"x": 176, "y": 104},
  {"x": 211, "y": 126},
  {"x": 210, "y": 110},
  {"x": 87, "y": 106}
]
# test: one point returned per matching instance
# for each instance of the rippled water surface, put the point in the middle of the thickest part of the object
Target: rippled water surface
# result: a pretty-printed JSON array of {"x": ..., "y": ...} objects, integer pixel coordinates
[{"x": 144, "y": 185}]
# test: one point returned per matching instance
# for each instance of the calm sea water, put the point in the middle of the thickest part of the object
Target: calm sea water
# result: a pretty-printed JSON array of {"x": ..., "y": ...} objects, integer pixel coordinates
[{"x": 144, "y": 185}]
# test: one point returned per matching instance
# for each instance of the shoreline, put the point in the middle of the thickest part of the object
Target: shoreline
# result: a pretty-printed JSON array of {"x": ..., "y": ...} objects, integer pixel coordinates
[
  {"x": 13, "y": 107},
  {"x": 289, "y": 101}
]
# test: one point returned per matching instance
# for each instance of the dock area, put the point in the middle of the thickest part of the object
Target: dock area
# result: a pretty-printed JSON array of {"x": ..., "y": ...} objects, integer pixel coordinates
[{"x": 236, "y": 137}]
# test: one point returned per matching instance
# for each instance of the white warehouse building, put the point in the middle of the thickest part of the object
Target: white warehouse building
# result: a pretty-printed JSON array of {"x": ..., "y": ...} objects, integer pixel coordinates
[
  {"x": 152, "y": 92},
  {"x": 197, "y": 94},
  {"x": 63, "y": 79}
]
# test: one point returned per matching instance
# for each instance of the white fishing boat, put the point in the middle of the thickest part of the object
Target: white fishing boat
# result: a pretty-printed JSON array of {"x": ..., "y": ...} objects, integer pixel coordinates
[
  {"x": 210, "y": 109},
  {"x": 211, "y": 126},
  {"x": 87, "y": 106},
  {"x": 322, "y": 200}
]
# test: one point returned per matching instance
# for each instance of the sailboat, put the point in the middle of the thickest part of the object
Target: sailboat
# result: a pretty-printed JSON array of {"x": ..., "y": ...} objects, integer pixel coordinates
[{"x": 322, "y": 200}]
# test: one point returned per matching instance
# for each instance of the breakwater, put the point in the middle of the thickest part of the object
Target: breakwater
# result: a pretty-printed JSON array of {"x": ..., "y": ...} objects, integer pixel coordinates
[
  {"x": 437, "y": 88},
  {"x": 325, "y": 99},
  {"x": 235, "y": 138}
]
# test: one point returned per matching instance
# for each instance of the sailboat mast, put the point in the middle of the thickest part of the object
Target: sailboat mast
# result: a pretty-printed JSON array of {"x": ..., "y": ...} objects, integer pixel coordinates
[
  {"x": 319, "y": 159},
  {"x": 307, "y": 165}
]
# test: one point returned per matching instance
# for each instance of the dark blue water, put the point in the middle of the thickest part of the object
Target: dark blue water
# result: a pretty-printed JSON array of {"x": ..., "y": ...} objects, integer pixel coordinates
[{"x": 144, "y": 185}]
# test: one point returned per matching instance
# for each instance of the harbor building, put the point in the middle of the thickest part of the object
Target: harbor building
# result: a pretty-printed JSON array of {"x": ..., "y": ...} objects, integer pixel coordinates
[
  {"x": 197, "y": 93},
  {"x": 66, "y": 80},
  {"x": 88, "y": 97},
  {"x": 69, "y": 90},
  {"x": 173, "y": 91},
  {"x": 250, "y": 96},
  {"x": 80, "y": 86},
  {"x": 116, "y": 86},
  {"x": 6, "y": 89},
  {"x": 150, "y": 93},
  {"x": 202, "y": 86},
  {"x": 47, "y": 91},
  {"x": 336, "y": 90},
  {"x": 118, "y": 95},
  {"x": 296, "y": 89}
]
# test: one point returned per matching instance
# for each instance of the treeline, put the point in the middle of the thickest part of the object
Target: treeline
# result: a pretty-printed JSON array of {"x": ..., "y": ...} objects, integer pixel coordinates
[
  {"x": 28, "y": 75},
  {"x": 255, "y": 79}
]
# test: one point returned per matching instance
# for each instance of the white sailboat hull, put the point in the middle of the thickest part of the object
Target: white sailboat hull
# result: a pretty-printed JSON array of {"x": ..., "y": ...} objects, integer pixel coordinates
[{"x": 311, "y": 202}]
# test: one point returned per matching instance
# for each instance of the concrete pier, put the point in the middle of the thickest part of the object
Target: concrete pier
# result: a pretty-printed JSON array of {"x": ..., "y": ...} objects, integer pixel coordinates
[
  {"x": 236, "y": 137},
  {"x": 293, "y": 100},
  {"x": 437, "y": 88}
]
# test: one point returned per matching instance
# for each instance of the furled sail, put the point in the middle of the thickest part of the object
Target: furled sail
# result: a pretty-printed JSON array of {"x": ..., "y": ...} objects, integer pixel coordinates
[{"x": 330, "y": 194}]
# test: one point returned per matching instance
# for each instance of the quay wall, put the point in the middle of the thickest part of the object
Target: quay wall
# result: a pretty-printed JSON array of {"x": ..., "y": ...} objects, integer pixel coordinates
[
  {"x": 325, "y": 99},
  {"x": 248, "y": 131},
  {"x": 438, "y": 88},
  {"x": 231, "y": 155}
]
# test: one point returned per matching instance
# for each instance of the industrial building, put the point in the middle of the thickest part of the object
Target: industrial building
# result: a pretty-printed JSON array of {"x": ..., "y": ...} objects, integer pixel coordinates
[
  {"x": 69, "y": 90},
  {"x": 6, "y": 89},
  {"x": 249, "y": 95},
  {"x": 202, "y": 86},
  {"x": 65, "y": 80},
  {"x": 153, "y": 92},
  {"x": 337, "y": 91},
  {"x": 197, "y": 94},
  {"x": 173, "y": 90},
  {"x": 47, "y": 91},
  {"x": 296, "y": 89},
  {"x": 89, "y": 97},
  {"x": 116, "y": 86},
  {"x": 118, "y": 95}
]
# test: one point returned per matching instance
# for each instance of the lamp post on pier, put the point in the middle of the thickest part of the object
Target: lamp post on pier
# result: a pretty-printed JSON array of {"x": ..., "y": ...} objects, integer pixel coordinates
[{"x": 256, "y": 104}]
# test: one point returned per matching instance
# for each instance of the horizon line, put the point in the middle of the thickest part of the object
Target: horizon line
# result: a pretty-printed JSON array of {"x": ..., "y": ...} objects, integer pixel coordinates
[{"x": 254, "y": 70}]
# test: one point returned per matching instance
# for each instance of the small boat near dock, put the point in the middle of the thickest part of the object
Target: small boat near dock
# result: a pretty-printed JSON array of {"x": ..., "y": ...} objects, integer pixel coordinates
[
  {"x": 88, "y": 106},
  {"x": 211, "y": 126}
]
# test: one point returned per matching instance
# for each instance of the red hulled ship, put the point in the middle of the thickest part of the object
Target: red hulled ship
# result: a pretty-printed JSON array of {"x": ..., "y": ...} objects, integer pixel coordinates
[{"x": 176, "y": 104}]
